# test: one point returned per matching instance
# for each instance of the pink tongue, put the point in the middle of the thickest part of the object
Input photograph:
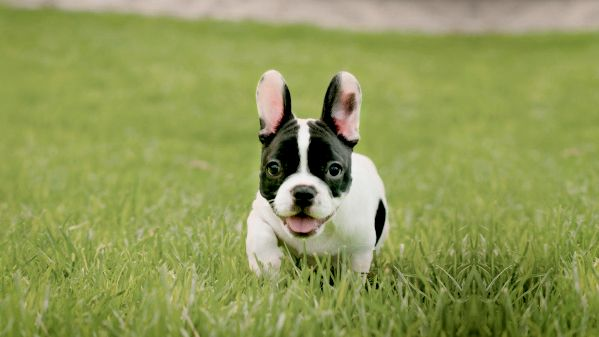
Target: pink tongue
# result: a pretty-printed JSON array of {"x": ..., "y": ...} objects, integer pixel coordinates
[{"x": 301, "y": 224}]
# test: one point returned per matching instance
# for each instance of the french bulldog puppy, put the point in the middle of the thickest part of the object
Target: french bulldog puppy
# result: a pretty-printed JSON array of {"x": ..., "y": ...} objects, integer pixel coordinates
[{"x": 316, "y": 195}]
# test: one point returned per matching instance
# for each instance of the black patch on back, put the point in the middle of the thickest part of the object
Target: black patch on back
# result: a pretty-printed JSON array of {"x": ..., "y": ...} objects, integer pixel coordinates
[
  {"x": 282, "y": 147},
  {"x": 379, "y": 220},
  {"x": 325, "y": 147}
]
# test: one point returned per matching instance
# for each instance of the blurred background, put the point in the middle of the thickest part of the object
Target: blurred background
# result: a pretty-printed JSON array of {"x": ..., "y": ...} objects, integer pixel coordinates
[
  {"x": 129, "y": 159},
  {"x": 409, "y": 15}
]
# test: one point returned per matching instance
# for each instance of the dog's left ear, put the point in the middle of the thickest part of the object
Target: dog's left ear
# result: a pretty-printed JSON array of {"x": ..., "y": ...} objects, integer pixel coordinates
[{"x": 341, "y": 108}]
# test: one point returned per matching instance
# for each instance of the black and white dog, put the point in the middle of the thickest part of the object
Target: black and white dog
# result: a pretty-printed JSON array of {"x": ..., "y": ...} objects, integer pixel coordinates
[{"x": 316, "y": 195}]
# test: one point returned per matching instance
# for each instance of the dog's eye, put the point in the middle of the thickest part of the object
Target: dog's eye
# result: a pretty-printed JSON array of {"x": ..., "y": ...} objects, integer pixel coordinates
[
  {"x": 273, "y": 168},
  {"x": 334, "y": 170}
]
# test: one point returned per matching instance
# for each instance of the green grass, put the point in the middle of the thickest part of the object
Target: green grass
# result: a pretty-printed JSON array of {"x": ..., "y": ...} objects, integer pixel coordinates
[{"x": 129, "y": 159}]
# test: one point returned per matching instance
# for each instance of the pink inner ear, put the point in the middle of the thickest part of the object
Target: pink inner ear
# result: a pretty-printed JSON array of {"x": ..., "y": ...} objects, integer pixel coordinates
[
  {"x": 270, "y": 104},
  {"x": 346, "y": 117},
  {"x": 348, "y": 101}
]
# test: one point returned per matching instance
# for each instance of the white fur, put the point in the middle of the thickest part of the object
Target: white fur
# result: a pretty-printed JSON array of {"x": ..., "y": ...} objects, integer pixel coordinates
[
  {"x": 303, "y": 141},
  {"x": 350, "y": 230}
]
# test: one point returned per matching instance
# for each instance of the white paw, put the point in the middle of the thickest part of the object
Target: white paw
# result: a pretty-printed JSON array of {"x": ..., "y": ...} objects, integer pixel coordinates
[
  {"x": 269, "y": 263},
  {"x": 360, "y": 262}
]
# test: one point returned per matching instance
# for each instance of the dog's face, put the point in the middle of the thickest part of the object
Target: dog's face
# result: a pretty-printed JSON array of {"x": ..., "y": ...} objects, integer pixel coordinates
[{"x": 306, "y": 164}]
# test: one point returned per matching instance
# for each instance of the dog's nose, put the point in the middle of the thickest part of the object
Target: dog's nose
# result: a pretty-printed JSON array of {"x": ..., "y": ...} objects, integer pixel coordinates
[{"x": 303, "y": 195}]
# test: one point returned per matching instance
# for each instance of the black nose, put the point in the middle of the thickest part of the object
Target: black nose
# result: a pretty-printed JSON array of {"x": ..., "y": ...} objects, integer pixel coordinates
[{"x": 303, "y": 195}]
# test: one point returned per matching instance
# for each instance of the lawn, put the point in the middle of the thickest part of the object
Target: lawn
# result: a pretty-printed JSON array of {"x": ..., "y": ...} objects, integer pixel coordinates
[{"x": 129, "y": 159}]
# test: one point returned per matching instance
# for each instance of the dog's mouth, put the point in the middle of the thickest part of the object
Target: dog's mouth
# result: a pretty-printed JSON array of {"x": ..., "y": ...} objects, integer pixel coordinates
[{"x": 303, "y": 225}]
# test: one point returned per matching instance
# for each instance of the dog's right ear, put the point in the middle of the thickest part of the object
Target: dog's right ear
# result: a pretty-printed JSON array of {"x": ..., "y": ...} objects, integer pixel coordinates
[
  {"x": 274, "y": 104},
  {"x": 341, "y": 108}
]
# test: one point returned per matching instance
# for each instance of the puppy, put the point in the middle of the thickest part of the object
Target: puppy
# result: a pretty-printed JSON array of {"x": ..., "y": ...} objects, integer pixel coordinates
[{"x": 316, "y": 195}]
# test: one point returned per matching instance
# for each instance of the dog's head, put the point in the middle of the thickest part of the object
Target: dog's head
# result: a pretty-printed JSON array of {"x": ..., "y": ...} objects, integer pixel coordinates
[{"x": 306, "y": 164}]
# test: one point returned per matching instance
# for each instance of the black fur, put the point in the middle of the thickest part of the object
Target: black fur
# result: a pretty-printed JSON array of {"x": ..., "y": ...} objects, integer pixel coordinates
[
  {"x": 329, "y": 102},
  {"x": 325, "y": 147},
  {"x": 283, "y": 147},
  {"x": 379, "y": 220}
]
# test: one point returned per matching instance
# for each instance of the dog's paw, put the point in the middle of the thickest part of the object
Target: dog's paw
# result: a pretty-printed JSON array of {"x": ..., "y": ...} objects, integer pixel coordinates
[
  {"x": 360, "y": 262},
  {"x": 265, "y": 263}
]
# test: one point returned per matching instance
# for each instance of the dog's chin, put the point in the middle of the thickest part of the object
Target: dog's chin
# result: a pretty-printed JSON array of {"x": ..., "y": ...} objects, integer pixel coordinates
[{"x": 303, "y": 225}]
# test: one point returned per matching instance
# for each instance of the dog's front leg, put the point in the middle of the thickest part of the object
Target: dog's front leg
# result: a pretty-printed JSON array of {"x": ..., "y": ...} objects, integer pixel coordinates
[
  {"x": 360, "y": 261},
  {"x": 262, "y": 245}
]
